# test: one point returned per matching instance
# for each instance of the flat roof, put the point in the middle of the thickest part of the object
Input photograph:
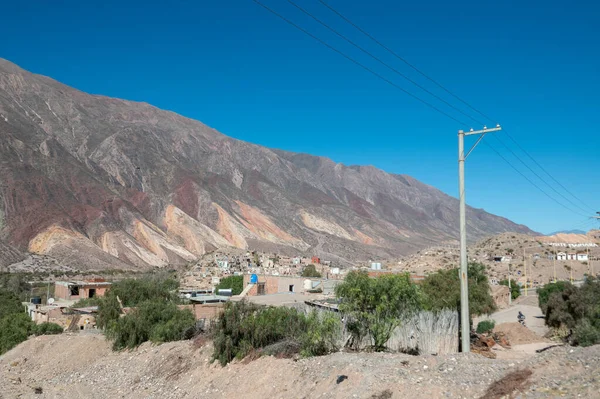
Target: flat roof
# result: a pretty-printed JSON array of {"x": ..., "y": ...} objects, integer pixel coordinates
[
  {"x": 92, "y": 283},
  {"x": 210, "y": 298}
]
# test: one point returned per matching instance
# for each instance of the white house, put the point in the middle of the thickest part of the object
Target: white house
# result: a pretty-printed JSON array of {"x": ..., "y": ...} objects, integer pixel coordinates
[
  {"x": 571, "y": 256},
  {"x": 582, "y": 257},
  {"x": 561, "y": 256},
  {"x": 223, "y": 264}
]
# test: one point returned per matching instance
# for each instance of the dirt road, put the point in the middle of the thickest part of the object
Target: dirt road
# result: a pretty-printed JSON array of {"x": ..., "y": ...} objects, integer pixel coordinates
[{"x": 528, "y": 306}]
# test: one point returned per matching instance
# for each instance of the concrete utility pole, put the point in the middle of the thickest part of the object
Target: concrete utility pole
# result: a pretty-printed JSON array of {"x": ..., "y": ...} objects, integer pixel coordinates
[{"x": 464, "y": 279}]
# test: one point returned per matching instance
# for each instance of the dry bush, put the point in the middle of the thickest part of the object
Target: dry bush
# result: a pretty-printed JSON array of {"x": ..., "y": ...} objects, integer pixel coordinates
[{"x": 517, "y": 381}]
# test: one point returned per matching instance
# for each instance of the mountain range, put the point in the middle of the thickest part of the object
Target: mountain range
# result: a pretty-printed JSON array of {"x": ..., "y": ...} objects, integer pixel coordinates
[{"x": 99, "y": 182}]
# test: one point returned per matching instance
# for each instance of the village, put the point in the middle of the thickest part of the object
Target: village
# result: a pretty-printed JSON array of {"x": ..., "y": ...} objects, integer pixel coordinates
[{"x": 278, "y": 280}]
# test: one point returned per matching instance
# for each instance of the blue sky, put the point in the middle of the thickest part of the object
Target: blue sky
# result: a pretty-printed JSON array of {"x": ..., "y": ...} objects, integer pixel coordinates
[{"x": 236, "y": 67}]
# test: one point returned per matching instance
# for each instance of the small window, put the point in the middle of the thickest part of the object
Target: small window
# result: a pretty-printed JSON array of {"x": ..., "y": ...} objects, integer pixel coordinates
[
  {"x": 92, "y": 293},
  {"x": 74, "y": 290},
  {"x": 291, "y": 287}
]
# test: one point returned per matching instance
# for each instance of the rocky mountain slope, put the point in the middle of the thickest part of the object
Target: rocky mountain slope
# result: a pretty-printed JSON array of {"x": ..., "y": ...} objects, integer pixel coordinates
[{"x": 98, "y": 182}]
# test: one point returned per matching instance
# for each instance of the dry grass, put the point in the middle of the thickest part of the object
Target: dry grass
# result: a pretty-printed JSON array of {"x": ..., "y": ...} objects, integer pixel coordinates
[
  {"x": 387, "y": 394},
  {"x": 517, "y": 381}
]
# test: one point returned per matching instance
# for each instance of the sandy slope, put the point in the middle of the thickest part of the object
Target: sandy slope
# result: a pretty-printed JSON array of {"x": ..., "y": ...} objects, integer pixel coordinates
[{"x": 83, "y": 366}]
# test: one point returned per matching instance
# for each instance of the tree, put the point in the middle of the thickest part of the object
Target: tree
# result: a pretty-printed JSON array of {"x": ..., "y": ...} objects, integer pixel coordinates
[
  {"x": 442, "y": 290},
  {"x": 310, "y": 271},
  {"x": 15, "y": 325},
  {"x": 377, "y": 306},
  {"x": 14, "y": 329},
  {"x": 515, "y": 289},
  {"x": 547, "y": 290},
  {"x": 236, "y": 283},
  {"x": 154, "y": 320},
  {"x": 578, "y": 309}
]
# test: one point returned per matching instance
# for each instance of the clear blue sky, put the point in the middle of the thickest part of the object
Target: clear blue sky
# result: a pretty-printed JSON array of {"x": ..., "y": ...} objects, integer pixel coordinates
[{"x": 534, "y": 66}]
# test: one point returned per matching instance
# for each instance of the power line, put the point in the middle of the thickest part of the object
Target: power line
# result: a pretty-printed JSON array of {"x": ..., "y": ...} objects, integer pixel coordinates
[
  {"x": 359, "y": 64},
  {"x": 415, "y": 97},
  {"x": 384, "y": 63},
  {"x": 546, "y": 172},
  {"x": 530, "y": 181},
  {"x": 538, "y": 176},
  {"x": 405, "y": 61},
  {"x": 464, "y": 102}
]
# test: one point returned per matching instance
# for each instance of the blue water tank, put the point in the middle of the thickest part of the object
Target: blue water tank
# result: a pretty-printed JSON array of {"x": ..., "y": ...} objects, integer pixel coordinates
[{"x": 253, "y": 279}]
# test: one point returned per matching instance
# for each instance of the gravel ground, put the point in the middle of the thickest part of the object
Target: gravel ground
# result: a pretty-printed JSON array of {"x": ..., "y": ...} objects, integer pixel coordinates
[{"x": 84, "y": 366}]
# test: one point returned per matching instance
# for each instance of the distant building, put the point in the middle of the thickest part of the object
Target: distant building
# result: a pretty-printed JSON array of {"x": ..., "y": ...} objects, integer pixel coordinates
[
  {"x": 223, "y": 264},
  {"x": 582, "y": 257},
  {"x": 561, "y": 256},
  {"x": 315, "y": 260},
  {"x": 375, "y": 265},
  {"x": 267, "y": 285},
  {"x": 75, "y": 290}
]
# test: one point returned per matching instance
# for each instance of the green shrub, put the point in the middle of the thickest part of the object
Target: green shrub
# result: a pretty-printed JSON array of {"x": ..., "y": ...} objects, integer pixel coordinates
[
  {"x": 578, "y": 309},
  {"x": 442, "y": 290},
  {"x": 244, "y": 328},
  {"x": 376, "y": 306},
  {"x": 485, "y": 326},
  {"x": 236, "y": 283},
  {"x": 323, "y": 334},
  {"x": 15, "y": 325},
  {"x": 310, "y": 271},
  {"x": 131, "y": 293},
  {"x": 155, "y": 320},
  {"x": 9, "y": 304},
  {"x": 586, "y": 334},
  {"x": 545, "y": 292},
  {"x": 14, "y": 329},
  {"x": 48, "y": 329}
]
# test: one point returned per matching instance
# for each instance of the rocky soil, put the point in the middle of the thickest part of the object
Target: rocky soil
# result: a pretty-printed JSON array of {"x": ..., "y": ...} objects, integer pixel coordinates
[
  {"x": 540, "y": 270},
  {"x": 84, "y": 366}
]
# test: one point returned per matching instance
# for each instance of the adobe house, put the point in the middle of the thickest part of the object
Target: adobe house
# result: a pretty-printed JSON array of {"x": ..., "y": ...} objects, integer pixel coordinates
[
  {"x": 268, "y": 284},
  {"x": 75, "y": 290}
]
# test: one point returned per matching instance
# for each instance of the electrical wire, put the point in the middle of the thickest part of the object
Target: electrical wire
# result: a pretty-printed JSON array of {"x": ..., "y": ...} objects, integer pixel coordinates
[
  {"x": 411, "y": 95},
  {"x": 537, "y": 175},
  {"x": 405, "y": 61},
  {"x": 339, "y": 14},
  {"x": 531, "y": 182},
  {"x": 384, "y": 63},
  {"x": 546, "y": 172},
  {"x": 366, "y": 68}
]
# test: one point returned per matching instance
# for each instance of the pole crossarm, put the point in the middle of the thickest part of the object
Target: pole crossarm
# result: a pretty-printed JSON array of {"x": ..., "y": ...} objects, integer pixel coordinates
[{"x": 482, "y": 135}]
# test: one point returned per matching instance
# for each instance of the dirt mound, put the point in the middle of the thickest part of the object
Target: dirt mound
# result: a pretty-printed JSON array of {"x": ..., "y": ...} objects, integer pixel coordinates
[
  {"x": 517, "y": 334},
  {"x": 84, "y": 366}
]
